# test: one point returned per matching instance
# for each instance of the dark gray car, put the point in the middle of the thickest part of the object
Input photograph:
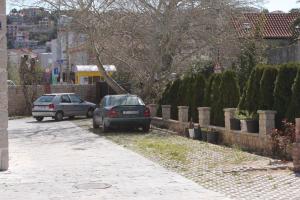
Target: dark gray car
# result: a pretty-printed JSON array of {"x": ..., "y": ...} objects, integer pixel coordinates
[
  {"x": 60, "y": 105},
  {"x": 116, "y": 111}
]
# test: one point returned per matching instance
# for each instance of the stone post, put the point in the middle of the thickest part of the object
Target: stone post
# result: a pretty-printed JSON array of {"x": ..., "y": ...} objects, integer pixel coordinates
[
  {"x": 153, "y": 109},
  {"x": 204, "y": 116},
  {"x": 166, "y": 112},
  {"x": 183, "y": 113},
  {"x": 266, "y": 122},
  {"x": 3, "y": 90},
  {"x": 228, "y": 114},
  {"x": 296, "y": 148}
]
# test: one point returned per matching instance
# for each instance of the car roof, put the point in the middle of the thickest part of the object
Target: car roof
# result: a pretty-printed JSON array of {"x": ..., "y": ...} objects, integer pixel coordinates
[
  {"x": 122, "y": 95},
  {"x": 56, "y": 94}
]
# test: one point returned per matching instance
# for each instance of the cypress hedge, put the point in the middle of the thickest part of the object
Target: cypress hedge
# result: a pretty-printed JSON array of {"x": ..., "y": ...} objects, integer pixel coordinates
[
  {"x": 294, "y": 107},
  {"x": 283, "y": 90},
  {"x": 208, "y": 91},
  {"x": 229, "y": 93},
  {"x": 215, "y": 96},
  {"x": 267, "y": 85},
  {"x": 251, "y": 97},
  {"x": 198, "y": 96}
]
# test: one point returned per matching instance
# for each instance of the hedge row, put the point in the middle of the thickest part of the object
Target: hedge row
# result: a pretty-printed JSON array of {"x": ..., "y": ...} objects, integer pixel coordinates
[
  {"x": 218, "y": 92},
  {"x": 268, "y": 88},
  {"x": 273, "y": 88}
]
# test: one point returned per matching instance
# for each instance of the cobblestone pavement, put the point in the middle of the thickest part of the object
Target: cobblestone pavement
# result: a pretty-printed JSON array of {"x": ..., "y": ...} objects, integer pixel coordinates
[
  {"x": 230, "y": 171},
  {"x": 61, "y": 161}
]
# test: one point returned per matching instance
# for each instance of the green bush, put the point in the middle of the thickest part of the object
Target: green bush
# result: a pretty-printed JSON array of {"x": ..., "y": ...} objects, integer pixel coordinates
[
  {"x": 215, "y": 96},
  {"x": 208, "y": 91},
  {"x": 267, "y": 85},
  {"x": 283, "y": 90},
  {"x": 229, "y": 93},
  {"x": 294, "y": 107},
  {"x": 197, "y": 99},
  {"x": 251, "y": 97}
]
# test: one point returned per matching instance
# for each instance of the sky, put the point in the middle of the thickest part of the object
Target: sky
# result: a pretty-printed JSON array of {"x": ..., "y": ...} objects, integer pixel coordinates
[{"x": 271, "y": 5}]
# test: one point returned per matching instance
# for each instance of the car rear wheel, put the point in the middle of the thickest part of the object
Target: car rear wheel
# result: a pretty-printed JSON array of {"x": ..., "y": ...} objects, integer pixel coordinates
[
  {"x": 95, "y": 125},
  {"x": 90, "y": 113},
  {"x": 39, "y": 119},
  {"x": 146, "y": 128},
  {"x": 59, "y": 116}
]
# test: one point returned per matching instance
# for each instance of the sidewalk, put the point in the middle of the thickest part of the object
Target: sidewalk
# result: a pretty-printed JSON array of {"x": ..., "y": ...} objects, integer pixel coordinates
[{"x": 58, "y": 160}]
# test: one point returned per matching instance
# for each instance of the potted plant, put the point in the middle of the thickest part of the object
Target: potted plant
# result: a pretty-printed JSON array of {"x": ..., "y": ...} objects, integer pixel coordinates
[
  {"x": 212, "y": 136},
  {"x": 194, "y": 132},
  {"x": 204, "y": 134},
  {"x": 250, "y": 121},
  {"x": 235, "y": 123}
]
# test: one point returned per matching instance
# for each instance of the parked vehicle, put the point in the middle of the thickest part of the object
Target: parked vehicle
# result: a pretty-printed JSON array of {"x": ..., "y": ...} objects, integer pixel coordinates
[
  {"x": 61, "y": 105},
  {"x": 116, "y": 111}
]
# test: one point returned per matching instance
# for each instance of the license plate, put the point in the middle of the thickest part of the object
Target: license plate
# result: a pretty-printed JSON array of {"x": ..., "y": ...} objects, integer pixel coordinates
[
  {"x": 40, "y": 107},
  {"x": 130, "y": 112}
]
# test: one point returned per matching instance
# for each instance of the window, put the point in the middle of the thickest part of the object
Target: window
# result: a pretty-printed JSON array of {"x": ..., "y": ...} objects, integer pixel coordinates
[
  {"x": 65, "y": 99},
  {"x": 45, "y": 99},
  {"x": 124, "y": 100},
  {"x": 75, "y": 98}
]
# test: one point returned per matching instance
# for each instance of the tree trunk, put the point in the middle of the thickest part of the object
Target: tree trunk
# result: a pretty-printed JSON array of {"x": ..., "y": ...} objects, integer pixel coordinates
[{"x": 110, "y": 81}]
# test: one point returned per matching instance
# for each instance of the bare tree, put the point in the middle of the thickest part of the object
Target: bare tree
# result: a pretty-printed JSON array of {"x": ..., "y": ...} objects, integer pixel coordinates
[{"x": 153, "y": 38}]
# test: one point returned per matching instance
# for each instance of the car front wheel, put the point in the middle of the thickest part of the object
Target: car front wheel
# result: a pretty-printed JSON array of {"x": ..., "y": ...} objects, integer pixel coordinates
[{"x": 90, "y": 113}]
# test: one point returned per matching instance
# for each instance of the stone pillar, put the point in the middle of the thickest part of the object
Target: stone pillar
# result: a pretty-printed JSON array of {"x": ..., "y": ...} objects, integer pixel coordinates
[
  {"x": 183, "y": 113},
  {"x": 266, "y": 122},
  {"x": 3, "y": 90},
  {"x": 228, "y": 114},
  {"x": 153, "y": 109},
  {"x": 204, "y": 116},
  {"x": 166, "y": 112},
  {"x": 296, "y": 148}
]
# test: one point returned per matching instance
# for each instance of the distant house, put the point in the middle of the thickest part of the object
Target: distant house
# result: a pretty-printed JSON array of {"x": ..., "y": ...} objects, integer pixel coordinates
[{"x": 277, "y": 30}]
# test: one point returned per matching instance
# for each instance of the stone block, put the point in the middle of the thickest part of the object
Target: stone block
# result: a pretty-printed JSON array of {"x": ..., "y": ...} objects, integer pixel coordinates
[
  {"x": 153, "y": 109},
  {"x": 183, "y": 113}
]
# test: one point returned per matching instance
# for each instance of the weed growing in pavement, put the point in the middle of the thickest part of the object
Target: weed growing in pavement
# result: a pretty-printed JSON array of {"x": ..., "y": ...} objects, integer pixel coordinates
[{"x": 166, "y": 149}]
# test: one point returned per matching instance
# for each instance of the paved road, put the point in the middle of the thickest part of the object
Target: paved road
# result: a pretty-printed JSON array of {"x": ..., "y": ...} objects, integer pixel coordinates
[{"x": 59, "y": 160}]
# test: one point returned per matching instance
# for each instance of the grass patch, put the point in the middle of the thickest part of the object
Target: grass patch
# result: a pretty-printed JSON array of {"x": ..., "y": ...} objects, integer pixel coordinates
[{"x": 177, "y": 152}]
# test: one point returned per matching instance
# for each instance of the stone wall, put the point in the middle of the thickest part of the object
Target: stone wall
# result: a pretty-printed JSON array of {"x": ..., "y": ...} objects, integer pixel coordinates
[
  {"x": 17, "y": 103},
  {"x": 283, "y": 53},
  {"x": 258, "y": 142}
]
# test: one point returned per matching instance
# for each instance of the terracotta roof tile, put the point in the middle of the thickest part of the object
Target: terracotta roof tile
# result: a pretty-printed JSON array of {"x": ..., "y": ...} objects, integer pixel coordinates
[{"x": 272, "y": 25}]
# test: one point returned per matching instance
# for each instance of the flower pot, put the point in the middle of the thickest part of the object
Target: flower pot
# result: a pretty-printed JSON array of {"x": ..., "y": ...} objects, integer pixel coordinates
[
  {"x": 235, "y": 124},
  {"x": 252, "y": 125},
  {"x": 204, "y": 136},
  {"x": 212, "y": 137},
  {"x": 243, "y": 126},
  {"x": 195, "y": 133}
]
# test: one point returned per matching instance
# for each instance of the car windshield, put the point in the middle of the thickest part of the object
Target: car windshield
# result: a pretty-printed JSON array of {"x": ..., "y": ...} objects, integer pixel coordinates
[
  {"x": 45, "y": 99},
  {"x": 124, "y": 100}
]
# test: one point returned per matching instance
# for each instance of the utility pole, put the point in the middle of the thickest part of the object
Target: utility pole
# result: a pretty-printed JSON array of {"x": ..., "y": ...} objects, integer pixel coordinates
[{"x": 3, "y": 90}]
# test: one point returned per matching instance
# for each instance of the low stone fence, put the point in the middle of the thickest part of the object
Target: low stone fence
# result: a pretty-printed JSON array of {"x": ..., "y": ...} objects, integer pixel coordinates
[
  {"x": 258, "y": 142},
  {"x": 17, "y": 102}
]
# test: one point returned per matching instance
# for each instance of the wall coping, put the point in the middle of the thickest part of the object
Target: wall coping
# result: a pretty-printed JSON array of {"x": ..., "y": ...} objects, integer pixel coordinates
[
  {"x": 166, "y": 106},
  {"x": 152, "y": 104},
  {"x": 267, "y": 112},
  {"x": 229, "y": 109},
  {"x": 204, "y": 108},
  {"x": 183, "y": 107}
]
